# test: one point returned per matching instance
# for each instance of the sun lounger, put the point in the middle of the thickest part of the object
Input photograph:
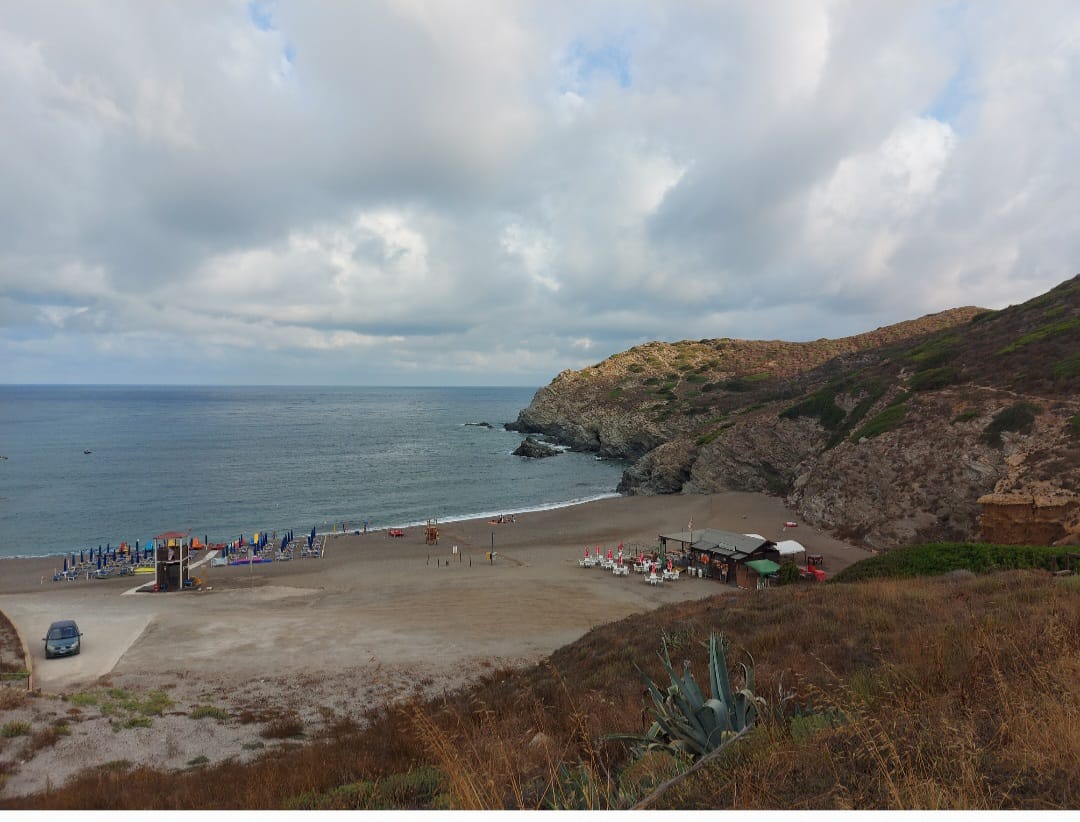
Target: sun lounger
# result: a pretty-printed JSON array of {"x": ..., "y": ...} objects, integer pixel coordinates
[{"x": 653, "y": 579}]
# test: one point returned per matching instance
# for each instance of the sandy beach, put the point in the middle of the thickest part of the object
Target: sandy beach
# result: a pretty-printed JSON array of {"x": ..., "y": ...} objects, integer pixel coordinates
[{"x": 373, "y": 619}]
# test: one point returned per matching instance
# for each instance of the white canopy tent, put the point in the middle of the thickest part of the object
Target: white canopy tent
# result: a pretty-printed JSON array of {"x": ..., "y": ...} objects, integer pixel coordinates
[{"x": 789, "y": 547}]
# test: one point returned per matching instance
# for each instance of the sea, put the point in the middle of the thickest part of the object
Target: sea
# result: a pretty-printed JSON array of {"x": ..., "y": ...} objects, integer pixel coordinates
[{"x": 100, "y": 465}]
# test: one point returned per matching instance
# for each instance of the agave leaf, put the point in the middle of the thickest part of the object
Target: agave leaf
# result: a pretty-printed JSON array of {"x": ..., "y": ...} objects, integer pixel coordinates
[
  {"x": 692, "y": 689},
  {"x": 748, "y": 674},
  {"x": 745, "y": 709},
  {"x": 721, "y": 712},
  {"x": 718, "y": 669},
  {"x": 690, "y": 715}
]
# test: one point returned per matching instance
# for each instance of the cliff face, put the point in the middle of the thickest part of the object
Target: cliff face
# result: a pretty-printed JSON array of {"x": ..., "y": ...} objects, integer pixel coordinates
[
  {"x": 1031, "y": 519},
  {"x": 889, "y": 437}
]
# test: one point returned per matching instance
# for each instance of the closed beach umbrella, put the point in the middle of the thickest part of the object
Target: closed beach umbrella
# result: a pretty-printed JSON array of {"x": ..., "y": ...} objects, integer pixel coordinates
[
  {"x": 65, "y": 564},
  {"x": 99, "y": 562},
  {"x": 82, "y": 556}
]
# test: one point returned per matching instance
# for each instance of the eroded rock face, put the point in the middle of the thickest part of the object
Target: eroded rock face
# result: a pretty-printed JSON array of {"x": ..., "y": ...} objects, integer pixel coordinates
[
  {"x": 569, "y": 412},
  {"x": 924, "y": 481},
  {"x": 1030, "y": 519}
]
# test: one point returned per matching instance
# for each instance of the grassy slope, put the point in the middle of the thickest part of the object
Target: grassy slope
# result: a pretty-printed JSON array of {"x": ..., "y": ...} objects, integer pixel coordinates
[
  {"x": 955, "y": 693},
  {"x": 702, "y": 386}
]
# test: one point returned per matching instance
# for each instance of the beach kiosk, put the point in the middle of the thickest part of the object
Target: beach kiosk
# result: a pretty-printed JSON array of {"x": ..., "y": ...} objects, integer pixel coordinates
[
  {"x": 721, "y": 554},
  {"x": 171, "y": 553}
]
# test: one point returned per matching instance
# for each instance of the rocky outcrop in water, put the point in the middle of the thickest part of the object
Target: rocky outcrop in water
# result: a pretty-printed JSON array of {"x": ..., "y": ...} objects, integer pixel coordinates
[{"x": 534, "y": 449}]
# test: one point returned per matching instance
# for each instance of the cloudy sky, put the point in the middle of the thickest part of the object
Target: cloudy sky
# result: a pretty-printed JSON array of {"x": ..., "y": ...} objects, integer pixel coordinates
[{"x": 486, "y": 193}]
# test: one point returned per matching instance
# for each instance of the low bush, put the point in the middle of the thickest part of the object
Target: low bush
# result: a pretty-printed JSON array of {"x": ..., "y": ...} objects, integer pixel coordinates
[
  {"x": 937, "y": 558},
  {"x": 1017, "y": 418},
  {"x": 283, "y": 727},
  {"x": 934, "y": 378},
  {"x": 822, "y": 406},
  {"x": 1068, "y": 367},
  {"x": 211, "y": 711},
  {"x": 887, "y": 420},
  {"x": 14, "y": 728}
]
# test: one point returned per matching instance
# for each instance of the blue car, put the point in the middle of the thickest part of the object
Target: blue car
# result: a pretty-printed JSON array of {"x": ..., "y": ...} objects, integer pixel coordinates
[{"x": 63, "y": 639}]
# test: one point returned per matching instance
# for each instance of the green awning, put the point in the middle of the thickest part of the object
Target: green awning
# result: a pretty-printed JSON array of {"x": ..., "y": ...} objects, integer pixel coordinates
[{"x": 764, "y": 566}]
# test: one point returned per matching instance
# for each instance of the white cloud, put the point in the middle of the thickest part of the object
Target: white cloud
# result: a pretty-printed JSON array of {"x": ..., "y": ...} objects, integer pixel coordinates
[{"x": 490, "y": 192}]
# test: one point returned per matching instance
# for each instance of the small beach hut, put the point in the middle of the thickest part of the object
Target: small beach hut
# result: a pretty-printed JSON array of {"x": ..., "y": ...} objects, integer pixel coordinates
[{"x": 171, "y": 557}]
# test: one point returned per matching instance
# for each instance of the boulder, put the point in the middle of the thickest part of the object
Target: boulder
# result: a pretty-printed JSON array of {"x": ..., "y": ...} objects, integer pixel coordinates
[{"x": 534, "y": 449}]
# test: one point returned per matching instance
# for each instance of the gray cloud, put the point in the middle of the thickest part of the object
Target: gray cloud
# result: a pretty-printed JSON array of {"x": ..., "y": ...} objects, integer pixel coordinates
[{"x": 484, "y": 192}]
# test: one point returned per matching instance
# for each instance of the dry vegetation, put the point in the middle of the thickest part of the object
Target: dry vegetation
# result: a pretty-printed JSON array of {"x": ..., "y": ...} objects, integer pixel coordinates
[{"x": 952, "y": 692}]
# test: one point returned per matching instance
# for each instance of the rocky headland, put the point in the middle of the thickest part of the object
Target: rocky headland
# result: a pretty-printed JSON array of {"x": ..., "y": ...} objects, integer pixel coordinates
[{"x": 959, "y": 425}]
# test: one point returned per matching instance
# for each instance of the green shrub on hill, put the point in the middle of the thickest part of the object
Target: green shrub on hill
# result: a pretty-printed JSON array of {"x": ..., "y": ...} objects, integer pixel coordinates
[
  {"x": 1068, "y": 367},
  {"x": 1019, "y": 418},
  {"x": 937, "y": 558},
  {"x": 1044, "y": 333},
  {"x": 887, "y": 420},
  {"x": 822, "y": 406},
  {"x": 934, "y": 378},
  {"x": 1074, "y": 425},
  {"x": 966, "y": 416},
  {"x": 933, "y": 353}
]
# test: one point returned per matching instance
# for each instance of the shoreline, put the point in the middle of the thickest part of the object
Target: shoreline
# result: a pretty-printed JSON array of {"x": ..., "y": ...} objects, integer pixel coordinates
[
  {"x": 453, "y": 518},
  {"x": 763, "y": 514}
]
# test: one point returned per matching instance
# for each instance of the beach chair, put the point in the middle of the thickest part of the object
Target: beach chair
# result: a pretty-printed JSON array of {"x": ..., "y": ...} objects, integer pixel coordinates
[
  {"x": 671, "y": 576},
  {"x": 653, "y": 579}
]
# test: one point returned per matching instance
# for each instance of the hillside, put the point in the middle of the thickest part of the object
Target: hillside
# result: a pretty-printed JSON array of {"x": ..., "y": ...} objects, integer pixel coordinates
[
  {"x": 887, "y": 437},
  {"x": 954, "y": 692}
]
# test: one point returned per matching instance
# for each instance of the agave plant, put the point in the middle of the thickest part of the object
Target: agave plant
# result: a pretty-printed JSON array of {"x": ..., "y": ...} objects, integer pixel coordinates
[{"x": 685, "y": 721}]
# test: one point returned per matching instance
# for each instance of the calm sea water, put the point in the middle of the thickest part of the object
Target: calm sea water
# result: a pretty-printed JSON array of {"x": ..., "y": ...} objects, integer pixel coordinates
[{"x": 229, "y": 461}]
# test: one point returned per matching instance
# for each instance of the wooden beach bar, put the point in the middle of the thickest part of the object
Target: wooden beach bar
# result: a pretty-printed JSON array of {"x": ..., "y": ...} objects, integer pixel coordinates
[{"x": 722, "y": 555}]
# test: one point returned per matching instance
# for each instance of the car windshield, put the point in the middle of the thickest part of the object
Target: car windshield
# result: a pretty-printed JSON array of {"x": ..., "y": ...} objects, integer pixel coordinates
[{"x": 63, "y": 632}]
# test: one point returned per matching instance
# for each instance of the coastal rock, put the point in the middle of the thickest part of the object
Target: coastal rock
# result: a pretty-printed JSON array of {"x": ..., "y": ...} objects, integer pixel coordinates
[
  {"x": 888, "y": 437},
  {"x": 534, "y": 449},
  {"x": 480, "y": 424}
]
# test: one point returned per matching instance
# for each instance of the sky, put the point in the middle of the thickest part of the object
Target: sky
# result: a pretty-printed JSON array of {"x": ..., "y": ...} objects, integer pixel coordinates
[{"x": 487, "y": 193}]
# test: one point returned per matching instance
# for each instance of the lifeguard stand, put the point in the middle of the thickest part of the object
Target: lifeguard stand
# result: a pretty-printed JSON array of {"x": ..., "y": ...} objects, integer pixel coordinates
[
  {"x": 431, "y": 532},
  {"x": 171, "y": 552}
]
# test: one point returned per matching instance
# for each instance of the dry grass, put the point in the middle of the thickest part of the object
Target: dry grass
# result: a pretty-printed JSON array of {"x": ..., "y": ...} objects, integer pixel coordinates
[{"x": 929, "y": 694}]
